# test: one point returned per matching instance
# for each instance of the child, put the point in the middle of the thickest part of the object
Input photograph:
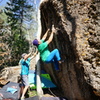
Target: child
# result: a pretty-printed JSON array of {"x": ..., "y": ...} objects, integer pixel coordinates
[{"x": 25, "y": 64}]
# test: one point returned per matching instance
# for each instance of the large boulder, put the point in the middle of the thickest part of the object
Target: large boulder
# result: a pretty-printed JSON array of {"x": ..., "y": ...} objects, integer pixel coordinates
[
  {"x": 9, "y": 74},
  {"x": 78, "y": 39}
]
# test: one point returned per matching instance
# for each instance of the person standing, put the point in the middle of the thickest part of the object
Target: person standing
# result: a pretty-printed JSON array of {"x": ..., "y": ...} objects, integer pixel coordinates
[{"x": 25, "y": 64}]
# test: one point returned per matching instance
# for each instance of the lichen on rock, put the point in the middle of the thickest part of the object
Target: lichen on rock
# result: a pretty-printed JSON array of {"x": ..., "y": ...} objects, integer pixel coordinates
[{"x": 78, "y": 39}]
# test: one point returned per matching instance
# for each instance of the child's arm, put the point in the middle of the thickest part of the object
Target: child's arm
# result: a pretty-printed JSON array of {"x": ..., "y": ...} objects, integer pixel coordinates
[
  {"x": 27, "y": 56},
  {"x": 34, "y": 55}
]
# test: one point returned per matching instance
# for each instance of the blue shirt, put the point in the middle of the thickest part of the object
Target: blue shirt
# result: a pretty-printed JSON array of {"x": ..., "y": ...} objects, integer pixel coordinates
[{"x": 25, "y": 66}]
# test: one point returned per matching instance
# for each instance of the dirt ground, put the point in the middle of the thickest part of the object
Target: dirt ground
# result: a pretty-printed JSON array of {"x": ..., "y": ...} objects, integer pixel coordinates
[{"x": 48, "y": 92}]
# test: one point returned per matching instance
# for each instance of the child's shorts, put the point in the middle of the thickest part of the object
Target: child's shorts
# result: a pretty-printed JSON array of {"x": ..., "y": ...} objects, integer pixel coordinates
[{"x": 25, "y": 81}]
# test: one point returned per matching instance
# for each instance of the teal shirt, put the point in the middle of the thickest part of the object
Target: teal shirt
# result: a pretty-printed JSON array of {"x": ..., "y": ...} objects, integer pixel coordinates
[
  {"x": 43, "y": 49},
  {"x": 25, "y": 66}
]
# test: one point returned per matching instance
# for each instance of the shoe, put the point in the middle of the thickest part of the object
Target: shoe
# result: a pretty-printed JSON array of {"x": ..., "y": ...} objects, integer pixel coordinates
[
  {"x": 22, "y": 99},
  {"x": 58, "y": 71},
  {"x": 61, "y": 61}
]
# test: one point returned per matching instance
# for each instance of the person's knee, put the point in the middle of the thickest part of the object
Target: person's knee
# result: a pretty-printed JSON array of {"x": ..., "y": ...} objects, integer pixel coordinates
[
  {"x": 27, "y": 86},
  {"x": 56, "y": 50}
]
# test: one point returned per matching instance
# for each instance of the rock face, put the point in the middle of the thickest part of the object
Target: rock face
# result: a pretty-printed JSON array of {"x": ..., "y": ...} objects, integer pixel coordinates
[
  {"x": 77, "y": 36},
  {"x": 9, "y": 74}
]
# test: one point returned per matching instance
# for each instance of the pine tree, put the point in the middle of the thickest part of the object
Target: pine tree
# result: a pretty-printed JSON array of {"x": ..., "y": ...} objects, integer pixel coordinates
[
  {"x": 4, "y": 33},
  {"x": 18, "y": 11}
]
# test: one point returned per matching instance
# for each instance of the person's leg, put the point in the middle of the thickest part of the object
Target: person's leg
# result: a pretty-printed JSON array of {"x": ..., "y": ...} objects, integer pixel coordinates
[
  {"x": 56, "y": 64},
  {"x": 55, "y": 58},
  {"x": 26, "y": 84},
  {"x": 24, "y": 92},
  {"x": 54, "y": 54}
]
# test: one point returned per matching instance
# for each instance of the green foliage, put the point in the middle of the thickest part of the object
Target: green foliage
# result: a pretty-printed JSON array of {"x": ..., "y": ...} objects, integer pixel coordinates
[
  {"x": 32, "y": 93},
  {"x": 2, "y": 45},
  {"x": 17, "y": 11}
]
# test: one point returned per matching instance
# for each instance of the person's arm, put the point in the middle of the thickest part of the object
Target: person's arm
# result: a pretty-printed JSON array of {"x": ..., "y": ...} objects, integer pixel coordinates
[
  {"x": 51, "y": 36},
  {"x": 27, "y": 56},
  {"x": 34, "y": 55},
  {"x": 45, "y": 35}
]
